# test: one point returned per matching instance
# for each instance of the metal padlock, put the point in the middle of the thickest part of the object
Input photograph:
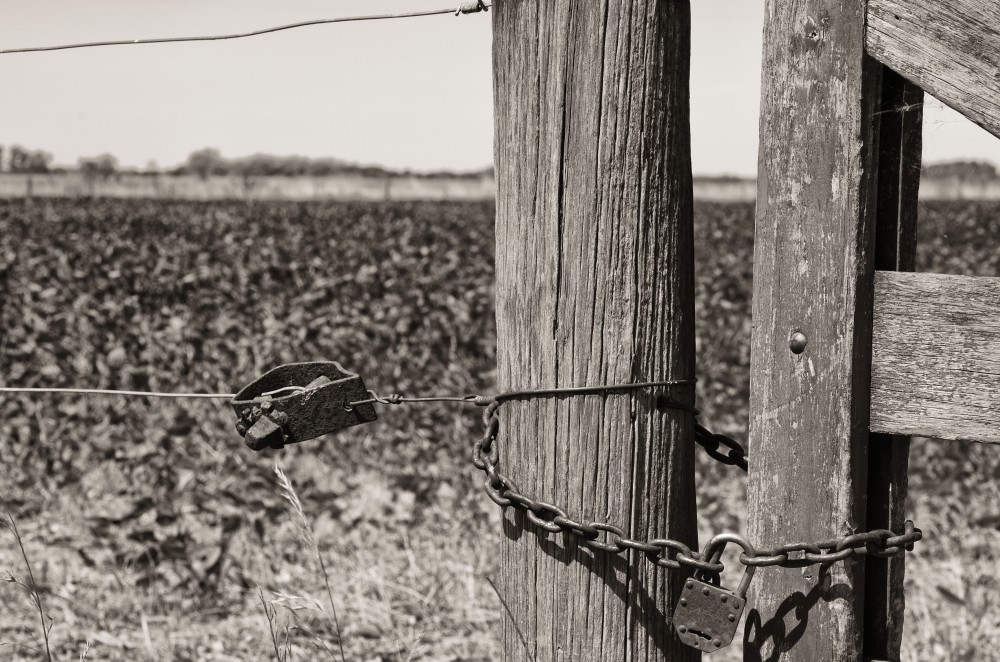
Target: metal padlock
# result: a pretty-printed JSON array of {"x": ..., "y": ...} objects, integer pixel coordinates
[{"x": 707, "y": 615}]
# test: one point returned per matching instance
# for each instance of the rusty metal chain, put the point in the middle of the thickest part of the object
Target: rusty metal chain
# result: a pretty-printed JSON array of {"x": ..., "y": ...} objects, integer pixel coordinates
[
  {"x": 664, "y": 552},
  {"x": 737, "y": 455},
  {"x": 880, "y": 543}
]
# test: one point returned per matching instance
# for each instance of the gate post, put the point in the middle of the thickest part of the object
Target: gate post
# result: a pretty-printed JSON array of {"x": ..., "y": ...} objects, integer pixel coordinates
[
  {"x": 595, "y": 285},
  {"x": 822, "y": 191},
  {"x": 900, "y": 143}
]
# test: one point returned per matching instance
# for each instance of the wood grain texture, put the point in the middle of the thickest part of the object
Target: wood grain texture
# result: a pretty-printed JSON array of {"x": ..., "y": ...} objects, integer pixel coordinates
[
  {"x": 936, "y": 356},
  {"x": 900, "y": 127},
  {"x": 594, "y": 285},
  {"x": 950, "y": 48},
  {"x": 813, "y": 264}
]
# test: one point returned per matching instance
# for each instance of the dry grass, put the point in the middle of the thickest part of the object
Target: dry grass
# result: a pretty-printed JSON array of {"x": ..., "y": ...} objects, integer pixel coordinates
[
  {"x": 402, "y": 595},
  {"x": 288, "y": 492},
  {"x": 8, "y": 522},
  {"x": 423, "y": 593}
]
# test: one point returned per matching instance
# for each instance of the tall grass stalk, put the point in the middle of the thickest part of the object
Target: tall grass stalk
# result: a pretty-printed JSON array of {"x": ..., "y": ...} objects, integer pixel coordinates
[
  {"x": 31, "y": 587},
  {"x": 288, "y": 492},
  {"x": 271, "y": 613}
]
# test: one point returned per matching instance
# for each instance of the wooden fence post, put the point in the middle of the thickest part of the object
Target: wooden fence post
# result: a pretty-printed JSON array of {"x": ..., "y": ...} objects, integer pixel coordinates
[
  {"x": 813, "y": 271},
  {"x": 819, "y": 202},
  {"x": 900, "y": 142},
  {"x": 595, "y": 285}
]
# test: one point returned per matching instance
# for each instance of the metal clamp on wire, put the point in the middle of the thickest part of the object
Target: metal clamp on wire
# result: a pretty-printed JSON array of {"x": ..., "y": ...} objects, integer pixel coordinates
[
  {"x": 300, "y": 401},
  {"x": 472, "y": 7}
]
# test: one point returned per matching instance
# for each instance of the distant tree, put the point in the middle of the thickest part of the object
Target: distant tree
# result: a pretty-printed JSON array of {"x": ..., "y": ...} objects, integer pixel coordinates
[
  {"x": 266, "y": 165},
  {"x": 326, "y": 167},
  {"x": 206, "y": 162},
  {"x": 258, "y": 165},
  {"x": 209, "y": 162},
  {"x": 29, "y": 162},
  {"x": 296, "y": 166},
  {"x": 98, "y": 168},
  {"x": 966, "y": 171}
]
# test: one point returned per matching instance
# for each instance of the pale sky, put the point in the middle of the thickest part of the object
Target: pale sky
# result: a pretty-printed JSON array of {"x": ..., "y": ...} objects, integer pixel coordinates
[{"x": 409, "y": 93}]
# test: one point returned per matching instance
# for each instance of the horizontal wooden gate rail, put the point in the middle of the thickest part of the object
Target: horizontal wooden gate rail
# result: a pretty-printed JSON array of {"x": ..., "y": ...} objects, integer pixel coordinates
[{"x": 936, "y": 356}]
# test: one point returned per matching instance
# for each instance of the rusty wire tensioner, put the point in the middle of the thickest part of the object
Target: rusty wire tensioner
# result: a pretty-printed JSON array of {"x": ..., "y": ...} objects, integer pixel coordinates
[
  {"x": 300, "y": 401},
  {"x": 472, "y": 7}
]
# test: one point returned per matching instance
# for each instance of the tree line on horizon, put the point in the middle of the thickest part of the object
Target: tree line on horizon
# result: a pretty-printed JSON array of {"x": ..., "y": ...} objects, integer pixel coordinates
[{"x": 209, "y": 162}]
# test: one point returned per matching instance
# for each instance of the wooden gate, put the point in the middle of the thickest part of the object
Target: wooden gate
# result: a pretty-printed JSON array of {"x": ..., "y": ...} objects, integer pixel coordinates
[
  {"x": 887, "y": 353},
  {"x": 850, "y": 352}
]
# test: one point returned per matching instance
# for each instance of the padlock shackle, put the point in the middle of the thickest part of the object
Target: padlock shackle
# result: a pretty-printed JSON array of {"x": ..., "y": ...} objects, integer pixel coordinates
[
  {"x": 713, "y": 552},
  {"x": 721, "y": 540}
]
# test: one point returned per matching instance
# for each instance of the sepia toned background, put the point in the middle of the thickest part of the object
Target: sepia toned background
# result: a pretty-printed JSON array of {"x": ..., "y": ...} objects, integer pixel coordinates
[{"x": 152, "y": 533}]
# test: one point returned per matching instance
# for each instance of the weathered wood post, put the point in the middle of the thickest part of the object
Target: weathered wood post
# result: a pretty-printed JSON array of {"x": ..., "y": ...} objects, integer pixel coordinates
[
  {"x": 821, "y": 196},
  {"x": 900, "y": 141},
  {"x": 594, "y": 285}
]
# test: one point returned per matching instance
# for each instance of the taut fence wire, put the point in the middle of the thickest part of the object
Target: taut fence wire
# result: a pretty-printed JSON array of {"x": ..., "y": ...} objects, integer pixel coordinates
[
  {"x": 105, "y": 391},
  {"x": 472, "y": 7}
]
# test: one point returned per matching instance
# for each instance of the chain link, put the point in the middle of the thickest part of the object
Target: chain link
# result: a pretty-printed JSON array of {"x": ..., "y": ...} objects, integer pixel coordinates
[
  {"x": 664, "y": 552},
  {"x": 737, "y": 455}
]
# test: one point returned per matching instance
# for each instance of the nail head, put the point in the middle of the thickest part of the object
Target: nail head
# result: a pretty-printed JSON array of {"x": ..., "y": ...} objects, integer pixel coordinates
[{"x": 797, "y": 343}]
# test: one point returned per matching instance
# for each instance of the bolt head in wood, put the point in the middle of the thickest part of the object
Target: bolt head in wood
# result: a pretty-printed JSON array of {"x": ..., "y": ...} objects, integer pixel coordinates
[{"x": 797, "y": 343}]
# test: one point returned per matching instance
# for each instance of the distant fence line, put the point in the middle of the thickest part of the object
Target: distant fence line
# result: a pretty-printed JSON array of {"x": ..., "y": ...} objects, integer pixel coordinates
[
  {"x": 745, "y": 190},
  {"x": 192, "y": 187},
  {"x": 361, "y": 187}
]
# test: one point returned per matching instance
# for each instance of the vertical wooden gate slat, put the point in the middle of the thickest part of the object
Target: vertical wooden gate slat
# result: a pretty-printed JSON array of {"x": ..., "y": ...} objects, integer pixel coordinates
[
  {"x": 594, "y": 285},
  {"x": 900, "y": 143},
  {"x": 813, "y": 269}
]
